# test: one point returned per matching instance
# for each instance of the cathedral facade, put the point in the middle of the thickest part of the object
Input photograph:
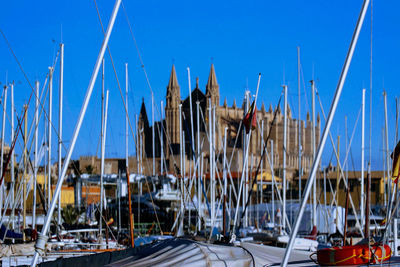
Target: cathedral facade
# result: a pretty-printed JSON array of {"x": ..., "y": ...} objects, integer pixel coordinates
[{"x": 227, "y": 121}]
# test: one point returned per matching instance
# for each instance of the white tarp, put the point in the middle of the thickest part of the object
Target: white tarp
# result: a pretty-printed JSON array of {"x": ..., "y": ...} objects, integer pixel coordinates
[{"x": 182, "y": 252}]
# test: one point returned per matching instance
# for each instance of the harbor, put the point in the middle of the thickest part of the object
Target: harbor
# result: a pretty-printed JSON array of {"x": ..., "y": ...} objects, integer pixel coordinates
[{"x": 172, "y": 164}]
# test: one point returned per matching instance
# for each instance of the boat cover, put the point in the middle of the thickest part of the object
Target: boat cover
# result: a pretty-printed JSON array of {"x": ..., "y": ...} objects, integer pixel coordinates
[
  {"x": 17, "y": 250},
  {"x": 183, "y": 252}
]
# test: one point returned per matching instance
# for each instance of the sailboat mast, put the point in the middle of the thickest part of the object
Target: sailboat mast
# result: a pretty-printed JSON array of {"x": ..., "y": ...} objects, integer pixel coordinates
[
  {"x": 153, "y": 134},
  {"x": 42, "y": 238},
  {"x": 326, "y": 130},
  {"x": 3, "y": 127},
  {"x": 313, "y": 153},
  {"x": 362, "y": 157},
  {"x": 102, "y": 193},
  {"x": 284, "y": 155},
  {"x": 101, "y": 148},
  {"x": 299, "y": 122},
  {"x": 126, "y": 118},
  {"x": 199, "y": 169},
  {"x": 13, "y": 162},
  {"x": 162, "y": 139},
  {"x": 60, "y": 115},
  {"x": 50, "y": 117}
]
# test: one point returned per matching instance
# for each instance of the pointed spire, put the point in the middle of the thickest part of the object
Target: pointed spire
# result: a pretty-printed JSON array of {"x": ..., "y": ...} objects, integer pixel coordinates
[
  {"x": 263, "y": 107},
  {"x": 279, "y": 109},
  {"x": 173, "y": 91},
  {"x": 289, "y": 111},
  {"x": 225, "y": 104},
  {"x": 173, "y": 86},
  {"x": 270, "y": 110},
  {"x": 212, "y": 78},
  {"x": 197, "y": 82},
  {"x": 308, "y": 116},
  {"x": 234, "y": 104},
  {"x": 143, "y": 115},
  {"x": 212, "y": 87}
]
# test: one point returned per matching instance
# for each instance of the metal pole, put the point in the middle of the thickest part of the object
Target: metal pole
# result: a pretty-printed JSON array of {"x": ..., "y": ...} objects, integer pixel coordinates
[
  {"x": 102, "y": 193},
  {"x": 126, "y": 120},
  {"x": 314, "y": 220},
  {"x": 199, "y": 169},
  {"x": 42, "y": 239},
  {"x": 273, "y": 183},
  {"x": 60, "y": 115},
  {"x": 153, "y": 134},
  {"x": 299, "y": 121},
  {"x": 211, "y": 162},
  {"x": 3, "y": 127},
  {"x": 326, "y": 130},
  {"x": 284, "y": 156},
  {"x": 162, "y": 139},
  {"x": 12, "y": 158},
  {"x": 25, "y": 168},
  {"x": 362, "y": 158},
  {"x": 262, "y": 163},
  {"x": 101, "y": 155},
  {"x": 51, "y": 70},
  {"x": 225, "y": 185}
]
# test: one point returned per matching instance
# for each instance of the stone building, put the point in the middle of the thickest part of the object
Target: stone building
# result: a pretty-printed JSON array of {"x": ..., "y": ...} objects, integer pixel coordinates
[{"x": 225, "y": 117}]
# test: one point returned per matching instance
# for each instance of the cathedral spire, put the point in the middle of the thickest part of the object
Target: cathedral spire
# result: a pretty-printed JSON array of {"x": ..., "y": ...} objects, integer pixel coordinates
[
  {"x": 173, "y": 90},
  {"x": 173, "y": 85},
  {"x": 212, "y": 87}
]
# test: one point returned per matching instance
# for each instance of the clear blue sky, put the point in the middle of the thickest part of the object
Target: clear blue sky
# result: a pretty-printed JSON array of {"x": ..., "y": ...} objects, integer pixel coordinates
[{"x": 242, "y": 38}]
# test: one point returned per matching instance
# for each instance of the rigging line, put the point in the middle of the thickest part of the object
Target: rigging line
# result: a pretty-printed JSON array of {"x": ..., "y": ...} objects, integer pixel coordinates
[
  {"x": 168, "y": 143},
  {"x": 147, "y": 78},
  {"x": 126, "y": 110},
  {"x": 30, "y": 85},
  {"x": 339, "y": 164},
  {"x": 259, "y": 162}
]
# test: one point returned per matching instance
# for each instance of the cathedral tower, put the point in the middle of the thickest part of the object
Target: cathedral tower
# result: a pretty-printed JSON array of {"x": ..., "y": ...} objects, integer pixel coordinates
[{"x": 172, "y": 110}]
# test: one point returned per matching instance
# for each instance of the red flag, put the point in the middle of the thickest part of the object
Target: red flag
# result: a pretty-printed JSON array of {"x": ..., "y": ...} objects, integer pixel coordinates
[{"x": 250, "y": 120}]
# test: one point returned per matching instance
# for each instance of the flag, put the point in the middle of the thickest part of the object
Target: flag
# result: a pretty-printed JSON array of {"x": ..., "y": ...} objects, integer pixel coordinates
[
  {"x": 396, "y": 163},
  {"x": 250, "y": 120}
]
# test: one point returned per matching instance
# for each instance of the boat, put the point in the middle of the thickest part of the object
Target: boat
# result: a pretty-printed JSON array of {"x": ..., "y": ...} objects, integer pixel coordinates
[{"x": 354, "y": 255}]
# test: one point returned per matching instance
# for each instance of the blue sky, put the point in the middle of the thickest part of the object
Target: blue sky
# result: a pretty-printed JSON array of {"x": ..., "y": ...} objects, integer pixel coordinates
[{"x": 241, "y": 38}]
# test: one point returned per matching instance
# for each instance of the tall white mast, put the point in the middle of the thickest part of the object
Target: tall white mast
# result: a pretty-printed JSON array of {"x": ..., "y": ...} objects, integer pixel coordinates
[
  {"x": 126, "y": 121},
  {"x": 210, "y": 129},
  {"x": 362, "y": 158},
  {"x": 191, "y": 117},
  {"x": 12, "y": 157},
  {"x": 51, "y": 70},
  {"x": 3, "y": 127},
  {"x": 199, "y": 169},
  {"x": 162, "y": 139},
  {"x": 153, "y": 134},
  {"x": 273, "y": 183},
  {"x": 103, "y": 141},
  {"x": 299, "y": 121},
  {"x": 182, "y": 171},
  {"x": 313, "y": 151},
  {"x": 60, "y": 116},
  {"x": 326, "y": 131},
  {"x": 284, "y": 156},
  {"x": 101, "y": 151},
  {"x": 42, "y": 238}
]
